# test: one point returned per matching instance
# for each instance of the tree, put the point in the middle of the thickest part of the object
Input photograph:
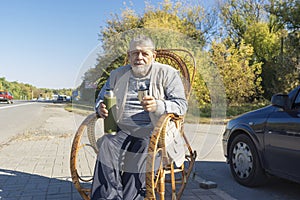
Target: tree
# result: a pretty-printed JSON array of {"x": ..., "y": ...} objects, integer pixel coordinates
[
  {"x": 25, "y": 91},
  {"x": 287, "y": 13},
  {"x": 237, "y": 15},
  {"x": 269, "y": 27},
  {"x": 4, "y": 85},
  {"x": 241, "y": 78},
  {"x": 266, "y": 44},
  {"x": 171, "y": 25},
  {"x": 285, "y": 68}
]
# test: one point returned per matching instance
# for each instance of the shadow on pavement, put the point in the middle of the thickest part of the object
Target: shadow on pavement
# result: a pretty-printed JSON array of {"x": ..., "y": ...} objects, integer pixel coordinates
[{"x": 16, "y": 185}]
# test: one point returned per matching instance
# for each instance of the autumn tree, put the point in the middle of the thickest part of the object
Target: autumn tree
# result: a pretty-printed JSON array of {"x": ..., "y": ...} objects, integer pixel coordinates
[
  {"x": 257, "y": 39},
  {"x": 240, "y": 76},
  {"x": 286, "y": 13},
  {"x": 237, "y": 15},
  {"x": 267, "y": 27},
  {"x": 171, "y": 25}
]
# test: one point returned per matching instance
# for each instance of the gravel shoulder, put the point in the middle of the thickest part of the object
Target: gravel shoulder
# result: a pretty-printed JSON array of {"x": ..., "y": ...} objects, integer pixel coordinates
[{"x": 53, "y": 122}]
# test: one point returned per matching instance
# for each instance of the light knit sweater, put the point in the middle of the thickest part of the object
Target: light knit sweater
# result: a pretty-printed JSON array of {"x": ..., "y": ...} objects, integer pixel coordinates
[{"x": 165, "y": 86}]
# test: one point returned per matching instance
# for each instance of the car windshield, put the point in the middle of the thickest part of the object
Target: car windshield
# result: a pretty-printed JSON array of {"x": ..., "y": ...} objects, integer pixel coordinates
[{"x": 293, "y": 93}]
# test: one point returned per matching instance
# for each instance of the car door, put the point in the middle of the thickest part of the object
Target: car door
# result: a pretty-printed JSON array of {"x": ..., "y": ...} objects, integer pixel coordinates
[{"x": 282, "y": 140}]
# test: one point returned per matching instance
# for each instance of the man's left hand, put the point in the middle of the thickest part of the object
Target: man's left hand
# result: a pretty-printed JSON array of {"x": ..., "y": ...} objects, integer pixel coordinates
[{"x": 149, "y": 103}]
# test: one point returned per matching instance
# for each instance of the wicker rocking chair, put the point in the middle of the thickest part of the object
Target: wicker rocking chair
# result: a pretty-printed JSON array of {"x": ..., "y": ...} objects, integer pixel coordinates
[{"x": 159, "y": 175}]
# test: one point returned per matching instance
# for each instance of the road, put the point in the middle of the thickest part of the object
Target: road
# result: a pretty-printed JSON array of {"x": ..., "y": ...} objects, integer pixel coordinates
[
  {"x": 22, "y": 117},
  {"x": 17, "y": 117}
]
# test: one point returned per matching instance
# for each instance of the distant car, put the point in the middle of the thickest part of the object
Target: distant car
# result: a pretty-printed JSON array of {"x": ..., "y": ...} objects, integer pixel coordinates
[
  {"x": 265, "y": 142},
  {"x": 62, "y": 99},
  {"x": 6, "y": 96}
]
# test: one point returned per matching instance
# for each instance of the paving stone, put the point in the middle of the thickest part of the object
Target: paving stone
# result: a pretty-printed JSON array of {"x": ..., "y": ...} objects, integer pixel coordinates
[{"x": 39, "y": 168}]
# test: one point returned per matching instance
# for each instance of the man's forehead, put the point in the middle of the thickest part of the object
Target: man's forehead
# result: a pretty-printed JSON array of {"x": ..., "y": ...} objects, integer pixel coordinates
[{"x": 140, "y": 47}]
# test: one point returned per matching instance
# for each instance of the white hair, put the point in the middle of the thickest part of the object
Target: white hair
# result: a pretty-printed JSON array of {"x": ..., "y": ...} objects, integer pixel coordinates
[{"x": 142, "y": 40}]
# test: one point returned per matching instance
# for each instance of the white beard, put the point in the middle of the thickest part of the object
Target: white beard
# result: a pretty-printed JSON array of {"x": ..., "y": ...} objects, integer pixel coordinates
[{"x": 140, "y": 71}]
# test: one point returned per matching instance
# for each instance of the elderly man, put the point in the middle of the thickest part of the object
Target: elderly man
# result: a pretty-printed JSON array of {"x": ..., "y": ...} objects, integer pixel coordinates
[{"x": 120, "y": 166}]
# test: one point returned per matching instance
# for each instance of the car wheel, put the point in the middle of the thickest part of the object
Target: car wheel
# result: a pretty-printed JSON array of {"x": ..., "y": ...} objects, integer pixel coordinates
[{"x": 244, "y": 162}]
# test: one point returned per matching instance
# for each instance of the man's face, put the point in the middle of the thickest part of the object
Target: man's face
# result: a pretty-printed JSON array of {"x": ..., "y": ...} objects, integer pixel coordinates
[{"x": 141, "y": 58}]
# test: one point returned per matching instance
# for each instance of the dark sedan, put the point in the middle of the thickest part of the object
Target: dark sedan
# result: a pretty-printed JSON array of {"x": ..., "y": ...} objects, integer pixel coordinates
[{"x": 265, "y": 142}]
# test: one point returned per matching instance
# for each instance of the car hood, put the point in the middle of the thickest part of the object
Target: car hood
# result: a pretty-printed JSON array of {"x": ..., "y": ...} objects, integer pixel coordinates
[{"x": 256, "y": 116}]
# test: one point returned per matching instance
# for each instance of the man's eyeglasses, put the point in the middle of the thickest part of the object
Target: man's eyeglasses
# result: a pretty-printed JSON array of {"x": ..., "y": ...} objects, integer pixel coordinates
[{"x": 145, "y": 53}]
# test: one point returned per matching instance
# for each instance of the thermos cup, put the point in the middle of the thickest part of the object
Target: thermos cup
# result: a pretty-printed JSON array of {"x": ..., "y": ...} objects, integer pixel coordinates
[
  {"x": 142, "y": 91},
  {"x": 141, "y": 94},
  {"x": 110, "y": 125}
]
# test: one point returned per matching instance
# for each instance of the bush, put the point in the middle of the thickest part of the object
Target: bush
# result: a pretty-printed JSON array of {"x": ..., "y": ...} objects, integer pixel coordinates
[
  {"x": 204, "y": 113},
  {"x": 234, "y": 110}
]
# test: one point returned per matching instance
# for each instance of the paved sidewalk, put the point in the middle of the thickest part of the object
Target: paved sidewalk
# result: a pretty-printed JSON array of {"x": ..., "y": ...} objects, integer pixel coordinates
[{"x": 36, "y": 166}]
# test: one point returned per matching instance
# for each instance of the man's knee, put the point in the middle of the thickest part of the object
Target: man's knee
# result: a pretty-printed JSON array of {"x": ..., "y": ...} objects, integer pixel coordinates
[{"x": 104, "y": 141}]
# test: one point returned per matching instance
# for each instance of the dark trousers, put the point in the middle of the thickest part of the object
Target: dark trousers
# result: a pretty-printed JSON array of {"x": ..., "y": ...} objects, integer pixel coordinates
[{"x": 120, "y": 168}]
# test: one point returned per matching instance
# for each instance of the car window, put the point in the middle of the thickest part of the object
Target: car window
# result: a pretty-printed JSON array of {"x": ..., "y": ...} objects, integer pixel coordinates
[{"x": 297, "y": 101}]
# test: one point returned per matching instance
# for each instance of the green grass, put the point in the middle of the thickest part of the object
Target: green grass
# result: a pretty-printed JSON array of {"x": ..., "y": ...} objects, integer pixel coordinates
[{"x": 79, "y": 108}]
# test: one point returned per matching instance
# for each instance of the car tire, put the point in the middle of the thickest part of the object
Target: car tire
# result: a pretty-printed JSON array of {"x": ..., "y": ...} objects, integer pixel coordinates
[{"x": 244, "y": 162}]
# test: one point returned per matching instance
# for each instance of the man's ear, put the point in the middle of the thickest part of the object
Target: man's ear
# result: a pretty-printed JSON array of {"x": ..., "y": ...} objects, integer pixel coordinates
[
  {"x": 128, "y": 57},
  {"x": 154, "y": 54}
]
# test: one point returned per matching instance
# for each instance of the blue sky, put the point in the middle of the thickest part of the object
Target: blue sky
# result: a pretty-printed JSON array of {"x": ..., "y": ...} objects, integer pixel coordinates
[{"x": 47, "y": 43}]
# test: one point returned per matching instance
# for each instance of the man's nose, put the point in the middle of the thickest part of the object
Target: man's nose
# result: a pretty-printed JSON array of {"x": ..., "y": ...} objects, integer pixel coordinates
[{"x": 140, "y": 55}]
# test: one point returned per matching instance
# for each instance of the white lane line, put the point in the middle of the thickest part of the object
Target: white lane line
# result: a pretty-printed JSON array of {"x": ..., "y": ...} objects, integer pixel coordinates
[
  {"x": 7, "y": 174},
  {"x": 16, "y": 105}
]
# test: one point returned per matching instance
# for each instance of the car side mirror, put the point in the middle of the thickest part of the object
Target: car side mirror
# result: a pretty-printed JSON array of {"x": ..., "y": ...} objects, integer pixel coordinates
[{"x": 281, "y": 100}]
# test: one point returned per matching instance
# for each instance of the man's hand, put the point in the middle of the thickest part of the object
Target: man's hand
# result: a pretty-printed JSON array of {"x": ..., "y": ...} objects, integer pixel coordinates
[
  {"x": 149, "y": 103},
  {"x": 103, "y": 112}
]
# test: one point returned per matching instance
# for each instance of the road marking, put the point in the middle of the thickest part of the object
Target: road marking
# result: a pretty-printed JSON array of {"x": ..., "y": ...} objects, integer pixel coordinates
[
  {"x": 11, "y": 106},
  {"x": 7, "y": 174}
]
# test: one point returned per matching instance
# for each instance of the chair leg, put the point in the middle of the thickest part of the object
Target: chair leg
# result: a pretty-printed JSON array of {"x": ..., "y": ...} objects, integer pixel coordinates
[
  {"x": 161, "y": 189},
  {"x": 79, "y": 145},
  {"x": 173, "y": 182}
]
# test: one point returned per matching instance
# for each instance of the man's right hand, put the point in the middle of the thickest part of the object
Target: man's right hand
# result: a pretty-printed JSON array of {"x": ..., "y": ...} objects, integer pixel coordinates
[{"x": 102, "y": 111}]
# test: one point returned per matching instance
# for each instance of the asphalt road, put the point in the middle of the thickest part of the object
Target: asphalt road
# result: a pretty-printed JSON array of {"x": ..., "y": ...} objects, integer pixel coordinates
[
  {"x": 20, "y": 117},
  {"x": 17, "y": 117},
  {"x": 23, "y": 117}
]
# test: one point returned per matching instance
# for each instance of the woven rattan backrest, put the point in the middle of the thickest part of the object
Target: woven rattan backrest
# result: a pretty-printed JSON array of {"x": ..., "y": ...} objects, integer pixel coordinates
[{"x": 181, "y": 60}]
